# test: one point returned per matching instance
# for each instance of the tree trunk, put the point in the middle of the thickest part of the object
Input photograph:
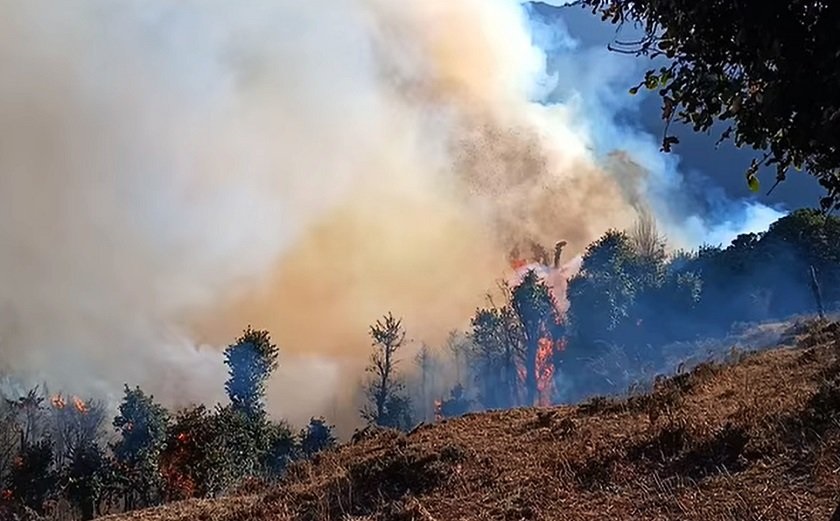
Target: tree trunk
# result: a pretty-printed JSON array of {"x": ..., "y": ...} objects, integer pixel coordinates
[
  {"x": 815, "y": 287},
  {"x": 531, "y": 370},
  {"x": 87, "y": 509}
]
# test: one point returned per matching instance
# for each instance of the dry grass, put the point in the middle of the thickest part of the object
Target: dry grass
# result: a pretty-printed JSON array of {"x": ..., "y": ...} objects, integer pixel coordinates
[{"x": 755, "y": 439}]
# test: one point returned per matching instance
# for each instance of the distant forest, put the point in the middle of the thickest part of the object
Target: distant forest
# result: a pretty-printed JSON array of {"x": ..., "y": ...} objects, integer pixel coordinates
[{"x": 631, "y": 302}]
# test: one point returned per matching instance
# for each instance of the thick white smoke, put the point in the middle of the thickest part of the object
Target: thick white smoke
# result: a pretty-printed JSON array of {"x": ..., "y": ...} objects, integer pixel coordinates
[
  {"x": 593, "y": 83},
  {"x": 171, "y": 171},
  {"x": 153, "y": 157}
]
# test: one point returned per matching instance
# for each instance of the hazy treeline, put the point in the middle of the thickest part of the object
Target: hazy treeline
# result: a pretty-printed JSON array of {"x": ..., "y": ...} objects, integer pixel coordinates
[{"x": 629, "y": 302}]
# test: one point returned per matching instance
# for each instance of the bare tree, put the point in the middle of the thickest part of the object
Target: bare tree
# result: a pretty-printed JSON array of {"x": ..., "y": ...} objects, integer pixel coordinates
[
  {"x": 425, "y": 363},
  {"x": 74, "y": 423},
  {"x": 458, "y": 347},
  {"x": 388, "y": 405},
  {"x": 645, "y": 236}
]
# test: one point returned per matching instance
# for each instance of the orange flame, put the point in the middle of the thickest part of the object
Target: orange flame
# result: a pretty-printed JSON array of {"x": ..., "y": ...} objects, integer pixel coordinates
[
  {"x": 58, "y": 401},
  {"x": 545, "y": 371},
  {"x": 516, "y": 264},
  {"x": 179, "y": 484},
  {"x": 80, "y": 405}
]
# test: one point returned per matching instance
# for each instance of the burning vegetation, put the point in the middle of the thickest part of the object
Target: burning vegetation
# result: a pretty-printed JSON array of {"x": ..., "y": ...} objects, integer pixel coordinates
[
  {"x": 59, "y": 402},
  {"x": 626, "y": 313},
  {"x": 701, "y": 445}
]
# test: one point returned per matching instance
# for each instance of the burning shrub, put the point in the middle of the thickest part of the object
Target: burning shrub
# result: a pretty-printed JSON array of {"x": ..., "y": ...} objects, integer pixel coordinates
[
  {"x": 74, "y": 423},
  {"x": 207, "y": 452},
  {"x": 191, "y": 457}
]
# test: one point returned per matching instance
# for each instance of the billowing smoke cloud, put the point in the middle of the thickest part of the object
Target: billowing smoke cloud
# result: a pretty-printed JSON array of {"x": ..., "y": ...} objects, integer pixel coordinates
[{"x": 173, "y": 171}]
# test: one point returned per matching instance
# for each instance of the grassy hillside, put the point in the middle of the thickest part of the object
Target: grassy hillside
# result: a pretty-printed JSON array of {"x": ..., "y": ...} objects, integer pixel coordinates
[{"x": 755, "y": 438}]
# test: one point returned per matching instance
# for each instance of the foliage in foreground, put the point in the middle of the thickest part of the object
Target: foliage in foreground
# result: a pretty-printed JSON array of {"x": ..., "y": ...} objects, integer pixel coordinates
[{"x": 766, "y": 70}]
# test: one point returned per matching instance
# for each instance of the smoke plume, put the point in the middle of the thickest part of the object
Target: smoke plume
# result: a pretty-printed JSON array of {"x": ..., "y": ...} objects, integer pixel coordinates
[{"x": 173, "y": 171}]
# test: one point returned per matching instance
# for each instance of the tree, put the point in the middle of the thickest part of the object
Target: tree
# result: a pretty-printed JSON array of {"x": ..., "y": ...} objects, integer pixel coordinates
[
  {"x": 30, "y": 479},
  {"x": 142, "y": 424},
  {"x": 278, "y": 449},
  {"x": 33, "y": 479},
  {"x": 498, "y": 346},
  {"x": 767, "y": 69},
  {"x": 28, "y": 412},
  {"x": 74, "y": 423},
  {"x": 388, "y": 406},
  {"x": 810, "y": 239},
  {"x": 458, "y": 346},
  {"x": 241, "y": 440},
  {"x": 250, "y": 361},
  {"x": 209, "y": 451},
  {"x": 196, "y": 461},
  {"x": 87, "y": 475},
  {"x": 536, "y": 311},
  {"x": 316, "y": 436},
  {"x": 512, "y": 344},
  {"x": 629, "y": 297},
  {"x": 425, "y": 362},
  {"x": 646, "y": 239},
  {"x": 602, "y": 294}
]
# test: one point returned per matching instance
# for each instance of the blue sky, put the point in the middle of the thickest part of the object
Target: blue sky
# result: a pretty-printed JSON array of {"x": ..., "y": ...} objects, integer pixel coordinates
[{"x": 706, "y": 169}]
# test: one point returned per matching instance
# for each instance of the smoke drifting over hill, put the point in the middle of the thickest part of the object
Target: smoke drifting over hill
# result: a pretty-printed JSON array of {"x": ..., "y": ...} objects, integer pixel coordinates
[{"x": 172, "y": 171}]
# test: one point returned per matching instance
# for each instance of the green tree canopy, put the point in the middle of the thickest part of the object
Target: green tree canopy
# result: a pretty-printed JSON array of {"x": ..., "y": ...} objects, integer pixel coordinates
[
  {"x": 766, "y": 69},
  {"x": 87, "y": 475},
  {"x": 141, "y": 424},
  {"x": 250, "y": 361}
]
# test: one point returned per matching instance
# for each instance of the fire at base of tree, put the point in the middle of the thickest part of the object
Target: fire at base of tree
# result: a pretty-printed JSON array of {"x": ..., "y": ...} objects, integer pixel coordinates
[{"x": 624, "y": 316}]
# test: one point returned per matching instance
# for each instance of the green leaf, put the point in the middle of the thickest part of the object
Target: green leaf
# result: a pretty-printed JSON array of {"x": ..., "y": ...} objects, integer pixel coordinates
[
  {"x": 753, "y": 183},
  {"x": 634, "y": 91}
]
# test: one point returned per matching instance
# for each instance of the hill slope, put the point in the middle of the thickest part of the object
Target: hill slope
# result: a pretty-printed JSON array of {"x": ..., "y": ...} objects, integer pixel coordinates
[{"x": 758, "y": 438}]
